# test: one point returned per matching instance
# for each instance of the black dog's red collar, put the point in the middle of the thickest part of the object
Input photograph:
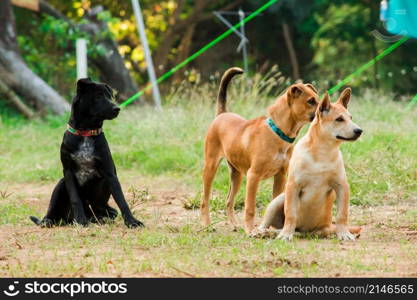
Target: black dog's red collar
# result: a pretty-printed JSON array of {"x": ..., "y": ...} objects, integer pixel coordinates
[{"x": 91, "y": 132}]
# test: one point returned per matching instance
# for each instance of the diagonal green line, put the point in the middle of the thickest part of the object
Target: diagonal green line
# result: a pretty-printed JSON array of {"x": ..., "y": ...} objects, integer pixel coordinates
[
  {"x": 199, "y": 52},
  {"x": 412, "y": 102},
  {"x": 368, "y": 64}
]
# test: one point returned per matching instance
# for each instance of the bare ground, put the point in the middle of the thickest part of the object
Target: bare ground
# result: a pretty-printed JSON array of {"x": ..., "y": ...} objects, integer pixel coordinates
[{"x": 174, "y": 245}]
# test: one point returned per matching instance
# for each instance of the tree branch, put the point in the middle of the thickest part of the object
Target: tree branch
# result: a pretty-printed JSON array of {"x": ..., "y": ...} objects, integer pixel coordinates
[
  {"x": 46, "y": 8},
  {"x": 15, "y": 101}
]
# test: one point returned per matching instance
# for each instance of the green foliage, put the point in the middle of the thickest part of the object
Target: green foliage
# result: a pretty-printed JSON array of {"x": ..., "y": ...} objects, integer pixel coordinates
[
  {"x": 66, "y": 35},
  {"x": 332, "y": 39},
  {"x": 342, "y": 40},
  {"x": 48, "y": 47},
  {"x": 341, "y": 36},
  {"x": 9, "y": 116}
]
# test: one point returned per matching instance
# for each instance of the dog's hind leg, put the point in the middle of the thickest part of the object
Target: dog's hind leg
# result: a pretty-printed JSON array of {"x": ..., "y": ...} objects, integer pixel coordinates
[
  {"x": 355, "y": 230},
  {"x": 274, "y": 214},
  {"x": 59, "y": 209},
  {"x": 211, "y": 164},
  {"x": 330, "y": 230},
  {"x": 273, "y": 217},
  {"x": 279, "y": 183},
  {"x": 100, "y": 195},
  {"x": 235, "y": 182}
]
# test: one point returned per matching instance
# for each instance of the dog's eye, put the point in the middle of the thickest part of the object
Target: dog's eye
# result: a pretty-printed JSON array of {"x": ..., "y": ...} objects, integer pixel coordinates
[
  {"x": 311, "y": 101},
  {"x": 340, "y": 119}
]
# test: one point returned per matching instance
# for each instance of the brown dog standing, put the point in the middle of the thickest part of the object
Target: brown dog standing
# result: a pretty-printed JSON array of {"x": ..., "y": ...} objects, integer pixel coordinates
[{"x": 260, "y": 148}]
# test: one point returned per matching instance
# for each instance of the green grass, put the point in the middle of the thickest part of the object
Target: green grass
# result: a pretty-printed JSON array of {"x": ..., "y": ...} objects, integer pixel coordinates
[
  {"x": 159, "y": 154},
  {"x": 170, "y": 143}
]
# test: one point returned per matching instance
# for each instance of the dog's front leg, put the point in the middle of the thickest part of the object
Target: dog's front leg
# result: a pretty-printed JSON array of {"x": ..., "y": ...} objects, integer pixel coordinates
[
  {"x": 250, "y": 201},
  {"x": 290, "y": 210},
  {"x": 76, "y": 203},
  {"x": 342, "y": 196},
  {"x": 107, "y": 169},
  {"x": 117, "y": 193}
]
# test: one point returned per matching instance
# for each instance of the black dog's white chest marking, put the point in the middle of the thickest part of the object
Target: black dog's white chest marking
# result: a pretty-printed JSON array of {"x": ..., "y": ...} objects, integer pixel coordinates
[{"x": 84, "y": 159}]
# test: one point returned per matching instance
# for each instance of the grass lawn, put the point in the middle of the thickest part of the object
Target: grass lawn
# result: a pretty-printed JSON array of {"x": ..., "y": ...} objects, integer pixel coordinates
[{"x": 159, "y": 161}]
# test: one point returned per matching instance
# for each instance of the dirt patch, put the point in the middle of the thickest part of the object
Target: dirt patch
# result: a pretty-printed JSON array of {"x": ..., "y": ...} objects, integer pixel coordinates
[{"x": 174, "y": 244}]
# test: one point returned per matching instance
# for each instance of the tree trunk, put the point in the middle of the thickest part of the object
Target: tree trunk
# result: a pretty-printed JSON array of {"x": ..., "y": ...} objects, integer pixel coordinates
[
  {"x": 291, "y": 51},
  {"x": 113, "y": 70},
  {"x": 20, "y": 78},
  {"x": 29, "y": 85},
  {"x": 15, "y": 100},
  {"x": 161, "y": 54},
  {"x": 184, "y": 49}
]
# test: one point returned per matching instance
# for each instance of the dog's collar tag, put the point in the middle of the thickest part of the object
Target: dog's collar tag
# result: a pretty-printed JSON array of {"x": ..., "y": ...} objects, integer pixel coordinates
[
  {"x": 278, "y": 131},
  {"x": 91, "y": 132}
]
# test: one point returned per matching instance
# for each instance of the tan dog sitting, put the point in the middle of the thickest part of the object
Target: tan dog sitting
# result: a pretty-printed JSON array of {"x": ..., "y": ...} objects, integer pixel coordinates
[
  {"x": 316, "y": 177},
  {"x": 259, "y": 148}
]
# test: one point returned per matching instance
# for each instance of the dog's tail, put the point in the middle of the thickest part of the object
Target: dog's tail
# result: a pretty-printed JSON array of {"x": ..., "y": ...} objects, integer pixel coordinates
[
  {"x": 35, "y": 220},
  {"x": 222, "y": 96}
]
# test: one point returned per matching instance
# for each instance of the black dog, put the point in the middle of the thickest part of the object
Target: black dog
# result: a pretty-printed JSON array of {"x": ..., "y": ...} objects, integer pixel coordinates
[{"x": 89, "y": 173}]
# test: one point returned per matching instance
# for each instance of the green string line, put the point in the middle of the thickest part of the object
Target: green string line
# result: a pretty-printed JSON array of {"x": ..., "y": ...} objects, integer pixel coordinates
[
  {"x": 412, "y": 102},
  {"x": 199, "y": 52},
  {"x": 368, "y": 64},
  {"x": 247, "y": 19}
]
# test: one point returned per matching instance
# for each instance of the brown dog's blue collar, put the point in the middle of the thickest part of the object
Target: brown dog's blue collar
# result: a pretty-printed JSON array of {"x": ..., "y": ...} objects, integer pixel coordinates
[
  {"x": 278, "y": 131},
  {"x": 91, "y": 132}
]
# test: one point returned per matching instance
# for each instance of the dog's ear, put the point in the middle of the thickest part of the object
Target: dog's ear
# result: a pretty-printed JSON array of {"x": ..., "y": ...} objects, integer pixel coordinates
[
  {"x": 83, "y": 84},
  {"x": 295, "y": 91},
  {"x": 310, "y": 86},
  {"x": 345, "y": 97},
  {"x": 324, "y": 105}
]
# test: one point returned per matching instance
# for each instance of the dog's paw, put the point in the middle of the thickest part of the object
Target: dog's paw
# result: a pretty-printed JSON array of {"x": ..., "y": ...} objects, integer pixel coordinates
[
  {"x": 263, "y": 233},
  {"x": 233, "y": 226},
  {"x": 285, "y": 236},
  {"x": 258, "y": 233},
  {"x": 133, "y": 223},
  {"x": 345, "y": 236},
  {"x": 46, "y": 223}
]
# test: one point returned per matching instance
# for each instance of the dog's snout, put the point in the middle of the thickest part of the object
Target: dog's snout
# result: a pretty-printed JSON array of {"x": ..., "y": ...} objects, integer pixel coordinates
[
  {"x": 116, "y": 109},
  {"x": 358, "y": 131}
]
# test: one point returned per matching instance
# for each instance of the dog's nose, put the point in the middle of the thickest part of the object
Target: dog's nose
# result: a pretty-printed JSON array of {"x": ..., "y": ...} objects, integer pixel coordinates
[
  {"x": 358, "y": 131},
  {"x": 116, "y": 109}
]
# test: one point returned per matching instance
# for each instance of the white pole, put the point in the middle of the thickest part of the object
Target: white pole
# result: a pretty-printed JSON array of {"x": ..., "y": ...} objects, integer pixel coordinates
[
  {"x": 242, "y": 32},
  {"x": 81, "y": 52},
  {"x": 148, "y": 57}
]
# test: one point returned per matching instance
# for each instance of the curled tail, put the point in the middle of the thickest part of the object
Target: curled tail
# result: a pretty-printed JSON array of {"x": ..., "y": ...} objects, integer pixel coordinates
[{"x": 222, "y": 96}]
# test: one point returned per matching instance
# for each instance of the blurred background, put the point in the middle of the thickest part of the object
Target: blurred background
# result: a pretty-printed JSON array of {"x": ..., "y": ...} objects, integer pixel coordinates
[
  {"x": 159, "y": 154},
  {"x": 319, "y": 41}
]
